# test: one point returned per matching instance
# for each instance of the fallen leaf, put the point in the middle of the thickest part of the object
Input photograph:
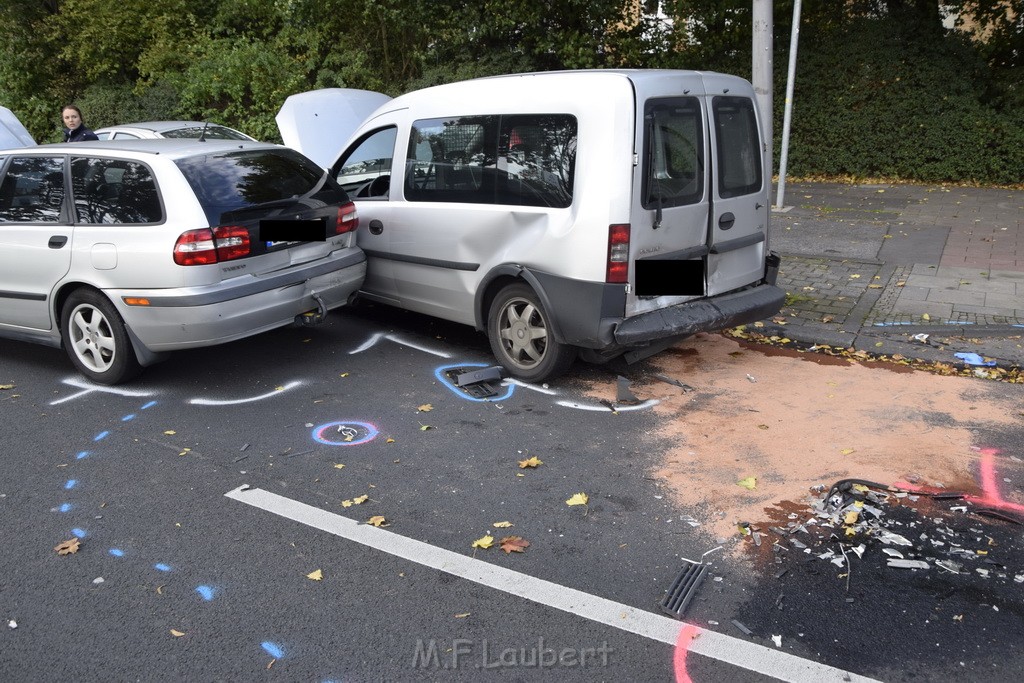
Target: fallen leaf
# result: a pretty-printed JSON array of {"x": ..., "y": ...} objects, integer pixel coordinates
[
  {"x": 389, "y": 440},
  {"x": 425, "y": 408},
  {"x": 925, "y": 316},
  {"x": 827, "y": 318},
  {"x": 578, "y": 499},
  {"x": 532, "y": 461},
  {"x": 344, "y": 374},
  {"x": 360, "y": 500},
  {"x": 847, "y": 451},
  {"x": 463, "y": 615},
  {"x": 338, "y": 466},
  {"x": 854, "y": 276},
  {"x": 170, "y": 432},
  {"x": 378, "y": 520},
  {"x": 424, "y": 427},
  {"x": 851, "y": 517},
  {"x": 502, "y": 525},
  {"x": 6, "y": 386},
  {"x": 68, "y": 547},
  {"x": 176, "y": 633},
  {"x": 317, "y": 575},
  {"x": 749, "y": 483},
  {"x": 514, "y": 544},
  {"x": 485, "y": 542}
]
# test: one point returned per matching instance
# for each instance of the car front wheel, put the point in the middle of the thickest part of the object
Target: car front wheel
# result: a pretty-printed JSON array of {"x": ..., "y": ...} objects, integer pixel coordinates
[
  {"x": 520, "y": 333},
  {"x": 96, "y": 340}
]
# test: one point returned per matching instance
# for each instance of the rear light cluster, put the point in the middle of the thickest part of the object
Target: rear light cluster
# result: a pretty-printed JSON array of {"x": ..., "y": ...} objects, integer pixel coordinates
[
  {"x": 211, "y": 245},
  {"x": 348, "y": 219},
  {"x": 617, "y": 271}
]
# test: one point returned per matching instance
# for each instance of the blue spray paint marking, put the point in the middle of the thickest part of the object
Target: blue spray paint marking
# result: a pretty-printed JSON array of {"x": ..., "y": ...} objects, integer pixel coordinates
[
  {"x": 149, "y": 405},
  {"x": 443, "y": 379},
  {"x": 83, "y": 454},
  {"x": 116, "y": 552},
  {"x": 101, "y": 436},
  {"x": 127, "y": 418},
  {"x": 78, "y": 533},
  {"x": 206, "y": 591},
  {"x": 66, "y": 507},
  {"x": 273, "y": 649},
  {"x": 162, "y": 567},
  {"x": 70, "y": 484},
  {"x": 345, "y": 429}
]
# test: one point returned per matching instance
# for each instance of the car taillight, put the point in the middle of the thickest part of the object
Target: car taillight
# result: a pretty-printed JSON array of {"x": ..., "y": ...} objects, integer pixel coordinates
[
  {"x": 348, "y": 219},
  {"x": 618, "y": 254},
  {"x": 210, "y": 245}
]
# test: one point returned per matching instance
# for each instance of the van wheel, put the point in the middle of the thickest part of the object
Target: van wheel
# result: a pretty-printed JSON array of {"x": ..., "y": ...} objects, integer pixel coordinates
[
  {"x": 95, "y": 338},
  {"x": 519, "y": 330}
]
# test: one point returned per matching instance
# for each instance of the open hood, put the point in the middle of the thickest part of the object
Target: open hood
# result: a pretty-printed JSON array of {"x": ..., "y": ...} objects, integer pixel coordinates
[
  {"x": 12, "y": 133},
  {"x": 319, "y": 122}
]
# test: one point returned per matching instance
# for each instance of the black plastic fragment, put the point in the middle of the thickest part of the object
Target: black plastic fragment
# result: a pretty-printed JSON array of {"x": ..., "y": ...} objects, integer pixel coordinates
[
  {"x": 478, "y": 382},
  {"x": 622, "y": 392},
  {"x": 682, "y": 590}
]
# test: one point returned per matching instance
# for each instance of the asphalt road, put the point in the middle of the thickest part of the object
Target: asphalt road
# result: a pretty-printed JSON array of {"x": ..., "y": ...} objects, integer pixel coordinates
[{"x": 208, "y": 502}]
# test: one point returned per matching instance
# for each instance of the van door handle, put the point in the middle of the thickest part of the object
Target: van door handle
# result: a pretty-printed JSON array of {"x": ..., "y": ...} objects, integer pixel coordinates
[
  {"x": 376, "y": 227},
  {"x": 57, "y": 241},
  {"x": 726, "y": 221}
]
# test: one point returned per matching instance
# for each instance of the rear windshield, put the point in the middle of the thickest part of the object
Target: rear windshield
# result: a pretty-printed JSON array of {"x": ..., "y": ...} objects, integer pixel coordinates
[
  {"x": 212, "y": 133},
  {"x": 231, "y": 181}
]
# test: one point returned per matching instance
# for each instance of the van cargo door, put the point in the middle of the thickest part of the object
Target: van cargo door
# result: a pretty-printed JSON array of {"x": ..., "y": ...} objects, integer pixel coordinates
[{"x": 739, "y": 211}]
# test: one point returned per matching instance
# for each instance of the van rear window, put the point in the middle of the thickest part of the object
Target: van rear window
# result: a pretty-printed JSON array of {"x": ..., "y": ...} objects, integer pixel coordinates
[
  {"x": 673, "y": 152},
  {"x": 521, "y": 160},
  {"x": 739, "y": 147}
]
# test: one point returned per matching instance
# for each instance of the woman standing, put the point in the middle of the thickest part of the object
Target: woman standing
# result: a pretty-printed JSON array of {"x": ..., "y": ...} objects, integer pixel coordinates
[{"x": 74, "y": 126}]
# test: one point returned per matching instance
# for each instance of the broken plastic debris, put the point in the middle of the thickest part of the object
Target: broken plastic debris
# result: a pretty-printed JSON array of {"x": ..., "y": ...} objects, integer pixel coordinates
[
  {"x": 974, "y": 359},
  {"x": 888, "y": 537},
  {"x": 751, "y": 378},
  {"x": 746, "y": 631},
  {"x": 98, "y": 580},
  {"x": 892, "y": 553},
  {"x": 909, "y": 564},
  {"x": 777, "y": 640},
  {"x": 12, "y": 624},
  {"x": 923, "y": 338}
]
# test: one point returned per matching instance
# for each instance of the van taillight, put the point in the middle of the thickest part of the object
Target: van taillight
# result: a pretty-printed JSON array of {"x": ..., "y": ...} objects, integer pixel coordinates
[
  {"x": 348, "y": 219},
  {"x": 211, "y": 245},
  {"x": 618, "y": 254}
]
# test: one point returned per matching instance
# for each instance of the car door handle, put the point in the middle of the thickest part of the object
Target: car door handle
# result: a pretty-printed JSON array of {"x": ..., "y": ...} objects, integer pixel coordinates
[
  {"x": 57, "y": 241},
  {"x": 376, "y": 227},
  {"x": 726, "y": 221}
]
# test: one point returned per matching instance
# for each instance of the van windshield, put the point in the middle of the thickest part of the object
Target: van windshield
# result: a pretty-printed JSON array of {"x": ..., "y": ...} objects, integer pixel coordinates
[{"x": 673, "y": 152}]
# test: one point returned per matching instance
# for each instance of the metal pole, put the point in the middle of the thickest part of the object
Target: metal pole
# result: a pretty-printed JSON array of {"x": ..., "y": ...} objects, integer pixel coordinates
[
  {"x": 761, "y": 75},
  {"x": 790, "y": 78}
]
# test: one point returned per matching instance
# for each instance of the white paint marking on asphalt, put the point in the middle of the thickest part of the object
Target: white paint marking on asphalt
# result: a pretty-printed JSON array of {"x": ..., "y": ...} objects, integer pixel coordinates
[
  {"x": 376, "y": 337},
  {"x": 236, "y": 401},
  {"x": 724, "y": 648},
  {"x": 650, "y": 403},
  {"x": 531, "y": 387},
  {"x": 88, "y": 388}
]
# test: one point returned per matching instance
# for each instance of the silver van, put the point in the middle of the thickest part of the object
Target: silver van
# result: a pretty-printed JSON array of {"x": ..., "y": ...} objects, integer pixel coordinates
[{"x": 587, "y": 214}]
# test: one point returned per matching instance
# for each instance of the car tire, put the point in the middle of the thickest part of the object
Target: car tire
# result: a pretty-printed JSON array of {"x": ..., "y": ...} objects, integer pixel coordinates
[
  {"x": 95, "y": 338},
  {"x": 519, "y": 330}
]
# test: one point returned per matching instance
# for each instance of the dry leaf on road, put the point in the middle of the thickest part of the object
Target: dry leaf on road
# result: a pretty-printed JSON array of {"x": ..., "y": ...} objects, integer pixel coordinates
[
  {"x": 532, "y": 461},
  {"x": 485, "y": 542},
  {"x": 317, "y": 575},
  {"x": 68, "y": 547},
  {"x": 378, "y": 520},
  {"x": 578, "y": 499},
  {"x": 514, "y": 544}
]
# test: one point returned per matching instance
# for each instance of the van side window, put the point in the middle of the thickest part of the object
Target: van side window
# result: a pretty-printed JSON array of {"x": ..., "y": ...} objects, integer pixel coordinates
[
  {"x": 673, "y": 152},
  {"x": 370, "y": 161},
  {"x": 521, "y": 160},
  {"x": 739, "y": 146},
  {"x": 114, "y": 191},
  {"x": 33, "y": 190}
]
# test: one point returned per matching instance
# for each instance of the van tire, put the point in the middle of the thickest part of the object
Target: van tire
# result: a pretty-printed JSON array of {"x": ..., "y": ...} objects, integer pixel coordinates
[
  {"x": 95, "y": 338},
  {"x": 519, "y": 330}
]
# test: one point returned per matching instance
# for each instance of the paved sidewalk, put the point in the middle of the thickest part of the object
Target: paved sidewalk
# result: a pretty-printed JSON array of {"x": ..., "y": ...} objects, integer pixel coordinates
[{"x": 921, "y": 271}]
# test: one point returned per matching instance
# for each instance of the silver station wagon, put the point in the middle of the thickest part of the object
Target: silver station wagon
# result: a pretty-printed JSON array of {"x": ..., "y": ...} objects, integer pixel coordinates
[{"x": 122, "y": 251}]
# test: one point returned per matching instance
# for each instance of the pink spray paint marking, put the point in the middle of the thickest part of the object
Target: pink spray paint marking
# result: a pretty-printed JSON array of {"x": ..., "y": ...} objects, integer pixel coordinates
[
  {"x": 686, "y": 635},
  {"x": 990, "y": 496}
]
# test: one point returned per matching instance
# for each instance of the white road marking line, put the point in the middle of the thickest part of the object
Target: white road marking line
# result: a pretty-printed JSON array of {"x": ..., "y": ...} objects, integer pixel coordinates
[
  {"x": 236, "y": 401},
  {"x": 619, "y": 408},
  {"x": 88, "y": 388},
  {"x": 377, "y": 336},
  {"x": 724, "y": 648},
  {"x": 527, "y": 385}
]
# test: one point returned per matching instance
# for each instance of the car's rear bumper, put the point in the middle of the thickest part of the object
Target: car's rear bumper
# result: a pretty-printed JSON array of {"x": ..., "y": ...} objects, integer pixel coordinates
[
  {"x": 701, "y": 315},
  {"x": 192, "y": 317}
]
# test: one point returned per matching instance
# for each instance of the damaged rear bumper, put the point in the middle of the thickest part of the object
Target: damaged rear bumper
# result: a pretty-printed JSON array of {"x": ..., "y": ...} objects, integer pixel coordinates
[{"x": 701, "y": 315}]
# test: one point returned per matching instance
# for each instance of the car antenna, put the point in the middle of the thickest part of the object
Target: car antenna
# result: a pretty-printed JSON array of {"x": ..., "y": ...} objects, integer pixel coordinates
[{"x": 202, "y": 135}]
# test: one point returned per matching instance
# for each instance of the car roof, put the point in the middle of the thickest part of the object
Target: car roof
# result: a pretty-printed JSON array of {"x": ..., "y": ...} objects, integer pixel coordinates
[
  {"x": 175, "y": 148},
  {"x": 161, "y": 126}
]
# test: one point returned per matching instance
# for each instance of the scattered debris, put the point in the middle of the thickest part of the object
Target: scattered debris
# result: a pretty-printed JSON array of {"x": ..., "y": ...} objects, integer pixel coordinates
[
  {"x": 623, "y": 394},
  {"x": 908, "y": 564},
  {"x": 746, "y": 631},
  {"x": 668, "y": 380},
  {"x": 514, "y": 544},
  {"x": 683, "y": 588},
  {"x": 975, "y": 359},
  {"x": 477, "y": 382}
]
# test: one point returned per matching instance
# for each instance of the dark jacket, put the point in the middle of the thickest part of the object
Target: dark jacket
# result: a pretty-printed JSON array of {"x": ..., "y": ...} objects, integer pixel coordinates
[{"x": 80, "y": 134}]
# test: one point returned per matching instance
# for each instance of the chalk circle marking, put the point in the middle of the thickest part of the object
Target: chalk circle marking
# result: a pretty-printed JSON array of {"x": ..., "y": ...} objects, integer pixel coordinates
[{"x": 345, "y": 433}]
